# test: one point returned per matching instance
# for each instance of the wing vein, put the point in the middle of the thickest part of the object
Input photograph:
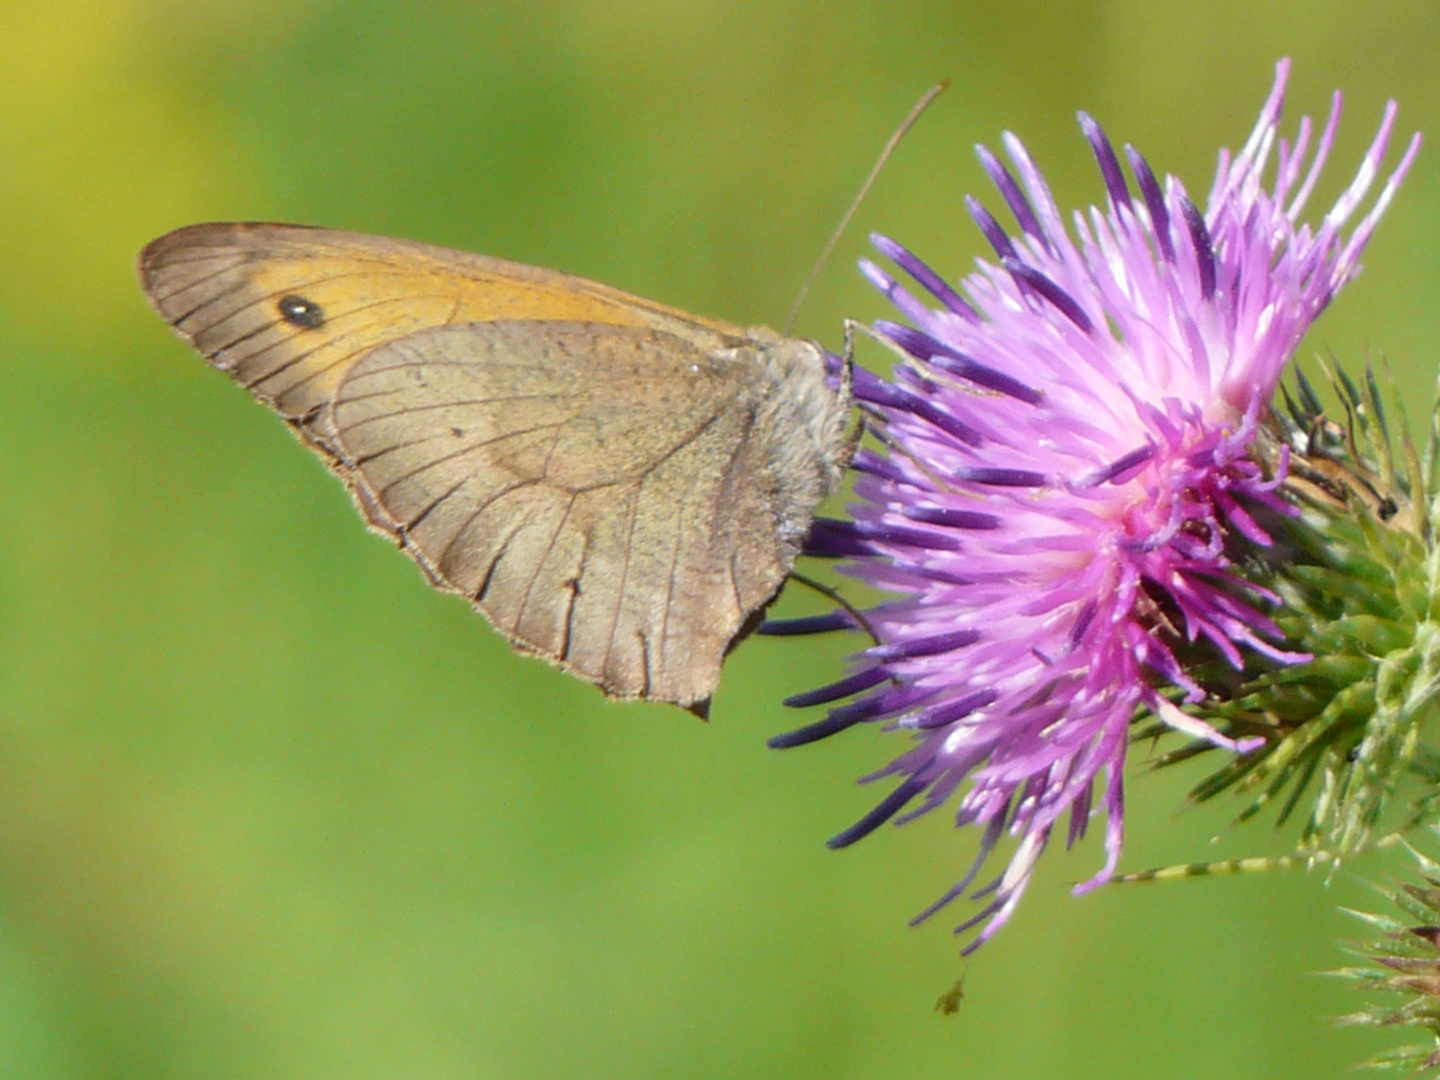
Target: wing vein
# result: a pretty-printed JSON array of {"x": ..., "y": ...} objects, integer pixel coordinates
[
  {"x": 193, "y": 283},
  {"x": 540, "y": 564},
  {"x": 447, "y": 457},
  {"x": 449, "y": 404}
]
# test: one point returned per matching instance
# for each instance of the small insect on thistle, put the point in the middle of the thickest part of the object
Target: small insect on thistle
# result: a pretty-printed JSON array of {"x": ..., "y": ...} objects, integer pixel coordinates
[{"x": 948, "y": 1003}]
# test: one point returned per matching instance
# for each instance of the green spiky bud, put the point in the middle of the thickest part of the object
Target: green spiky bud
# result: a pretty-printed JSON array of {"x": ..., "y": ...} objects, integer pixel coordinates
[
  {"x": 1404, "y": 961},
  {"x": 1357, "y": 572}
]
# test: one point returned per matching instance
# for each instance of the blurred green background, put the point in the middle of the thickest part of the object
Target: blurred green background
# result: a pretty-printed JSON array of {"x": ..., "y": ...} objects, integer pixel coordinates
[{"x": 269, "y": 807}]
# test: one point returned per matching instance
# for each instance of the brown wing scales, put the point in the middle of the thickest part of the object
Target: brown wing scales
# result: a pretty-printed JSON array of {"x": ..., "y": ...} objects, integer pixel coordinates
[{"x": 572, "y": 500}]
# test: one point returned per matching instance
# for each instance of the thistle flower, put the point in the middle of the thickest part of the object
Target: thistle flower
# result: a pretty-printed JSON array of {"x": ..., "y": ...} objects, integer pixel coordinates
[{"x": 1068, "y": 460}]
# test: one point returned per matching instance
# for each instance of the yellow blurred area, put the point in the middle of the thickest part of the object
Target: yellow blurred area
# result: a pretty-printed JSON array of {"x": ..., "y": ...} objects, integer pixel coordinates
[
  {"x": 269, "y": 807},
  {"x": 96, "y": 148}
]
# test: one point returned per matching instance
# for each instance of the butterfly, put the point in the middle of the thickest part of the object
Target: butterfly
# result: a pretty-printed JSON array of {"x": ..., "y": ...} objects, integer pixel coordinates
[{"x": 618, "y": 486}]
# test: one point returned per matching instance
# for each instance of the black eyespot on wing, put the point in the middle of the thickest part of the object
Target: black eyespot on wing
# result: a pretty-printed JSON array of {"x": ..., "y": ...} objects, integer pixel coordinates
[{"x": 298, "y": 311}]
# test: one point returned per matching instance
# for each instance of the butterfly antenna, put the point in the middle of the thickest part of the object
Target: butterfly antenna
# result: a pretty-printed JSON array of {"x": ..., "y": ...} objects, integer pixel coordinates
[{"x": 900, "y": 132}]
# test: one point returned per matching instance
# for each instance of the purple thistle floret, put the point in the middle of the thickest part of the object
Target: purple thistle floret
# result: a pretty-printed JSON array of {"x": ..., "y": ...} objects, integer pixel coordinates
[{"x": 1069, "y": 453}]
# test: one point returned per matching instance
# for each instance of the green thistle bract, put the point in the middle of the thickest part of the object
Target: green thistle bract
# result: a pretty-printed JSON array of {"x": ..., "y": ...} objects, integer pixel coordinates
[{"x": 1404, "y": 960}]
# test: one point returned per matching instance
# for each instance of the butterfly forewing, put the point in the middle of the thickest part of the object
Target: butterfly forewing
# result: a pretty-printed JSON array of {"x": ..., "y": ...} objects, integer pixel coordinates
[{"x": 224, "y": 288}]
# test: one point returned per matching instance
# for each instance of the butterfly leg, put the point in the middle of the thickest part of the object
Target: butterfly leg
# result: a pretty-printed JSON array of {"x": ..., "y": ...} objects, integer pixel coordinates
[{"x": 846, "y": 391}]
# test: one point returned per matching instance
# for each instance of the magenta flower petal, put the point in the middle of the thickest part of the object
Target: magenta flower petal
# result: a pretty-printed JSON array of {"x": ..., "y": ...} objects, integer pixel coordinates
[{"x": 1070, "y": 457}]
